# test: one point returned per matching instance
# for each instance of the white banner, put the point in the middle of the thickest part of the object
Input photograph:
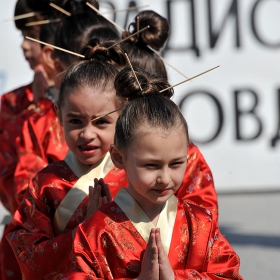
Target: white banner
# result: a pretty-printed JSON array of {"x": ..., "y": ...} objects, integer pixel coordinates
[{"x": 233, "y": 111}]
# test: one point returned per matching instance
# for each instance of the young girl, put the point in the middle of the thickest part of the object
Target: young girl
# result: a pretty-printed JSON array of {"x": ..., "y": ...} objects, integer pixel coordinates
[
  {"x": 17, "y": 106},
  {"x": 15, "y": 101},
  {"x": 56, "y": 199},
  {"x": 147, "y": 232},
  {"x": 198, "y": 184}
]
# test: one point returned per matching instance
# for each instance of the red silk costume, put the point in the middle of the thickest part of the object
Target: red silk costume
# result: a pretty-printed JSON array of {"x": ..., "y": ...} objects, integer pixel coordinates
[
  {"x": 14, "y": 102},
  {"x": 30, "y": 141},
  {"x": 31, "y": 233},
  {"x": 110, "y": 246}
]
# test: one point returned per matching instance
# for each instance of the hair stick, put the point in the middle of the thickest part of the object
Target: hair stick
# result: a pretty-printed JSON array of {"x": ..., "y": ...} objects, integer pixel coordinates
[
  {"x": 127, "y": 9},
  {"x": 61, "y": 49},
  {"x": 92, "y": 7},
  {"x": 22, "y": 16},
  {"x": 39, "y": 22},
  {"x": 136, "y": 33},
  {"x": 190, "y": 78},
  {"x": 60, "y": 9},
  {"x": 130, "y": 65}
]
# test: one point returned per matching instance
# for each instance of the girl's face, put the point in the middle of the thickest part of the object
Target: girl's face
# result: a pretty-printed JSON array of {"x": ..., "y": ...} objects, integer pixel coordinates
[
  {"x": 155, "y": 165},
  {"x": 32, "y": 50},
  {"x": 89, "y": 140}
]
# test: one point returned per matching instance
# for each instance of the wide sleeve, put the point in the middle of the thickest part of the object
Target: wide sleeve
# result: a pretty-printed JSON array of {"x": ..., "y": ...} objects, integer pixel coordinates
[
  {"x": 14, "y": 102},
  {"x": 93, "y": 253},
  {"x": 198, "y": 184},
  {"x": 40, "y": 143},
  {"x": 32, "y": 237},
  {"x": 221, "y": 262}
]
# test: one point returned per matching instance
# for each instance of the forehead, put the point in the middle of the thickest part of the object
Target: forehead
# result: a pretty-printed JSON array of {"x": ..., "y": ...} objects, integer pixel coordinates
[
  {"x": 90, "y": 99},
  {"x": 146, "y": 134}
]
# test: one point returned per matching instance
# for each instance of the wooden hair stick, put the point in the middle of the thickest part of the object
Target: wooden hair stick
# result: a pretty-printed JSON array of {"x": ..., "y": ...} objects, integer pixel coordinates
[
  {"x": 200, "y": 74},
  {"x": 92, "y": 7},
  {"x": 46, "y": 21},
  {"x": 106, "y": 114},
  {"x": 60, "y": 9},
  {"x": 130, "y": 65},
  {"x": 127, "y": 9},
  {"x": 136, "y": 33},
  {"x": 174, "y": 68},
  {"x": 61, "y": 49},
  {"x": 22, "y": 16}
]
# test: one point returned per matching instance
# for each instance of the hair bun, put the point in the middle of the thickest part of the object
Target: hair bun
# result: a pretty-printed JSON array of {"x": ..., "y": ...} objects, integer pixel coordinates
[
  {"x": 155, "y": 36},
  {"x": 105, "y": 51},
  {"x": 127, "y": 86}
]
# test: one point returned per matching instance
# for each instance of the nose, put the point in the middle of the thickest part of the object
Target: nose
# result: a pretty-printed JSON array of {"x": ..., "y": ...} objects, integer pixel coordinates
[
  {"x": 25, "y": 44},
  {"x": 164, "y": 177},
  {"x": 88, "y": 133}
]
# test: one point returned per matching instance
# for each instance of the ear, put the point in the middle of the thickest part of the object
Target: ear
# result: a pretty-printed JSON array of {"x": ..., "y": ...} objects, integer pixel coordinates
[
  {"x": 47, "y": 55},
  {"x": 58, "y": 113},
  {"x": 117, "y": 157},
  {"x": 58, "y": 69}
]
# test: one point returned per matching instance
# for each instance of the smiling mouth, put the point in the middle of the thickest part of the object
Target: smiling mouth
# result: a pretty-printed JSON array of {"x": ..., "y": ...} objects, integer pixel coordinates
[
  {"x": 87, "y": 148},
  {"x": 89, "y": 151},
  {"x": 163, "y": 191}
]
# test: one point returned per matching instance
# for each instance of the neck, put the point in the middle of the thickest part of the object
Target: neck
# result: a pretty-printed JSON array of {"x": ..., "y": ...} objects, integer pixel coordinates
[{"x": 152, "y": 210}]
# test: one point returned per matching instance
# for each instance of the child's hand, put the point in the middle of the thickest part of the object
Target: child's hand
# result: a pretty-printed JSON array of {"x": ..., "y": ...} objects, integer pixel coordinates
[
  {"x": 165, "y": 269},
  {"x": 40, "y": 83},
  {"x": 98, "y": 196},
  {"x": 105, "y": 192},
  {"x": 149, "y": 266}
]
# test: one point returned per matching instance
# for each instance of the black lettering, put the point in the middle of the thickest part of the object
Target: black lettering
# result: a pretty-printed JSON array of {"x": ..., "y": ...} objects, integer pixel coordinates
[
  {"x": 190, "y": 14},
  {"x": 254, "y": 27},
  {"x": 220, "y": 115},
  {"x": 239, "y": 114},
  {"x": 214, "y": 35},
  {"x": 276, "y": 138}
]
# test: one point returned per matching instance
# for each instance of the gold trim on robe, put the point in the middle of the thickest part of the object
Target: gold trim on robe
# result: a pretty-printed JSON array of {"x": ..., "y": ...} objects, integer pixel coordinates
[
  {"x": 142, "y": 223},
  {"x": 79, "y": 191}
]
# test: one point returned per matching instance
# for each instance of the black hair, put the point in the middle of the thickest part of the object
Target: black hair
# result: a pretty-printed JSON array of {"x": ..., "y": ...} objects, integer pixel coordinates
[
  {"x": 97, "y": 70},
  {"x": 140, "y": 48},
  {"x": 145, "y": 106},
  {"x": 75, "y": 31}
]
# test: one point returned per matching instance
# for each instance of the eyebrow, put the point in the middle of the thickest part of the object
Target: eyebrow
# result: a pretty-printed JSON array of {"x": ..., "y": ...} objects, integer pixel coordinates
[{"x": 102, "y": 116}]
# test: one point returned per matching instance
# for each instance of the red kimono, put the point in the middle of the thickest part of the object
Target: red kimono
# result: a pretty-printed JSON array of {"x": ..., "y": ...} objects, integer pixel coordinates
[
  {"x": 14, "y": 102},
  {"x": 34, "y": 233},
  {"x": 21, "y": 157},
  {"x": 111, "y": 243}
]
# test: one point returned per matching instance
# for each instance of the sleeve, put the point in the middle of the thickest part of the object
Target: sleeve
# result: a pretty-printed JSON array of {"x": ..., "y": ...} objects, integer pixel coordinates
[
  {"x": 14, "y": 102},
  {"x": 86, "y": 262},
  {"x": 221, "y": 262},
  {"x": 198, "y": 184},
  {"x": 40, "y": 143},
  {"x": 32, "y": 237}
]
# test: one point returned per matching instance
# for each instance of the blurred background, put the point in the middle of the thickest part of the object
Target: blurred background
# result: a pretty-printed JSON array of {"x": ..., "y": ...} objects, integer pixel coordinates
[{"x": 233, "y": 112}]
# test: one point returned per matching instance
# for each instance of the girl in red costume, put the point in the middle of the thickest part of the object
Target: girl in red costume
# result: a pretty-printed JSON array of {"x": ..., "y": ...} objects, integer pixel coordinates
[
  {"x": 34, "y": 138},
  {"x": 56, "y": 200},
  {"x": 147, "y": 232},
  {"x": 198, "y": 180}
]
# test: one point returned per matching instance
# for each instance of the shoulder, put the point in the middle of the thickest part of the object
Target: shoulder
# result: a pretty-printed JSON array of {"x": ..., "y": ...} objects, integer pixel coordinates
[
  {"x": 194, "y": 210},
  {"x": 23, "y": 90},
  {"x": 55, "y": 172}
]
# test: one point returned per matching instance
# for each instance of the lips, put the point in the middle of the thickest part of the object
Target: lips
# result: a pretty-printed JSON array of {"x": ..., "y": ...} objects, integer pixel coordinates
[
  {"x": 161, "y": 192},
  {"x": 88, "y": 150}
]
